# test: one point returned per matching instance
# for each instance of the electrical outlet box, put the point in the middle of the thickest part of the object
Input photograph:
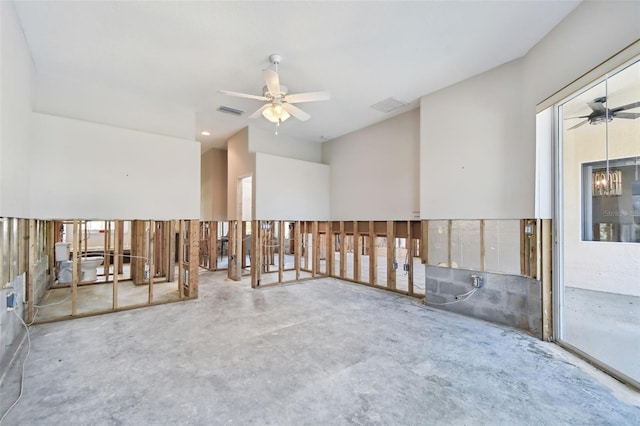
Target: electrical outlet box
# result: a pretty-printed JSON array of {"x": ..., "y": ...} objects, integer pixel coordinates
[
  {"x": 395, "y": 266},
  {"x": 12, "y": 301},
  {"x": 406, "y": 267},
  {"x": 477, "y": 281}
]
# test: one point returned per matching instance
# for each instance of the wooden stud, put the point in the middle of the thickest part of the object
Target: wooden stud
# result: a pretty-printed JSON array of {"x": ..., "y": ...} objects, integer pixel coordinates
[
  {"x": 180, "y": 249},
  {"x": 449, "y": 248},
  {"x": 32, "y": 269},
  {"x": 424, "y": 242},
  {"x": 410, "y": 257},
  {"x": 86, "y": 239},
  {"x": 121, "y": 247},
  {"x": 138, "y": 252},
  {"x": 256, "y": 257},
  {"x": 391, "y": 243},
  {"x": 280, "y": 250},
  {"x": 194, "y": 249},
  {"x": 533, "y": 256},
  {"x": 106, "y": 252},
  {"x": 332, "y": 272},
  {"x": 373, "y": 255},
  {"x": 116, "y": 262},
  {"x": 343, "y": 251},
  {"x": 328, "y": 257},
  {"x": 254, "y": 251},
  {"x": 483, "y": 262},
  {"x": 76, "y": 268},
  {"x": 51, "y": 244},
  {"x": 523, "y": 261},
  {"x": 297, "y": 249},
  {"x": 152, "y": 269},
  {"x": 546, "y": 255},
  {"x": 304, "y": 246},
  {"x": 315, "y": 237},
  {"x": 214, "y": 243},
  {"x": 356, "y": 252},
  {"x": 272, "y": 243},
  {"x": 170, "y": 252},
  {"x": 243, "y": 244}
]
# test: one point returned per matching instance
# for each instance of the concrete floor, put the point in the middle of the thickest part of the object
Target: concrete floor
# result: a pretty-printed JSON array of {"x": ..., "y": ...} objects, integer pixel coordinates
[
  {"x": 315, "y": 352},
  {"x": 56, "y": 302}
]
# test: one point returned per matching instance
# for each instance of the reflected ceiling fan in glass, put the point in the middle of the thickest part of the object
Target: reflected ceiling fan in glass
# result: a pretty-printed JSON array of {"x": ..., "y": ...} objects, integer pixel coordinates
[{"x": 601, "y": 113}]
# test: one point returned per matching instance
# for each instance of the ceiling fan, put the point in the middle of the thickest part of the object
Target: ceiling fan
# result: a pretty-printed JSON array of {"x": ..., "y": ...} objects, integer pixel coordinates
[
  {"x": 279, "y": 104},
  {"x": 600, "y": 113}
]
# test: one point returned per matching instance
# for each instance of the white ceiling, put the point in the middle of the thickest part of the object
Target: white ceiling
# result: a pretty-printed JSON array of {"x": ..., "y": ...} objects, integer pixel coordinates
[{"x": 362, "y": 52}]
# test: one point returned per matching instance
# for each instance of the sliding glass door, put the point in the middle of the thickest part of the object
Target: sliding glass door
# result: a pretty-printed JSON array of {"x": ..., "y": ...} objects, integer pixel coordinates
[{"x": 598, "y": 218}]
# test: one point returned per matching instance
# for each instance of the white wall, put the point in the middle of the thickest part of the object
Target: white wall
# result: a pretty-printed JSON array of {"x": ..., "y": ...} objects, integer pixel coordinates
[
  {"x": 83, "y": 99},
  {"x": 474, "y": 162},
  {"x": 591, "y": 34},
  {"x": 556, "y": 62},
  {"x": 16, "y": 99},
  {"x": 93, "y": 171},
  {"x": 268, "y": 142},
  {"x": 291, "y": 189},
  {"x": 213, "y": 185},
  {"x": 375, "y": 171},
  {"x": 240, "y": 164}
]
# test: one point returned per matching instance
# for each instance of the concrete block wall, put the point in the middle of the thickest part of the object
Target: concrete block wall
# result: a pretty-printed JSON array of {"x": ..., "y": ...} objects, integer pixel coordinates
[
  {"x": 11, "y": 329},
  {"x": 511, "y": 300}
]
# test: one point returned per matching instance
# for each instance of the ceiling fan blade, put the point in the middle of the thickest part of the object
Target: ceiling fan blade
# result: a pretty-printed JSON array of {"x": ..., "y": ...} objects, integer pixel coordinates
[
  {"x": 572, "y": 118},
  {"x": 273, "y": 81},
  {"x": 582, "y": 123},
  {"x": 629, "y": 106},
  {"x": 596, "y": 106},
  {"x": 627, "y": 115},
  {"x": 258, "y": 113},
  {"x": 307, "y": 97},
  {"x": 296, "y": 112},
  {"x": 243, "y": 95}
]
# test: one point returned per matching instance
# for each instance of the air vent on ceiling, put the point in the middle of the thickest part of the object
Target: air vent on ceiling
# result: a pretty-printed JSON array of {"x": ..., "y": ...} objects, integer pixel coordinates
[
  {"x": 388, "y": 105},
  {"x": 230, "y": 110}
]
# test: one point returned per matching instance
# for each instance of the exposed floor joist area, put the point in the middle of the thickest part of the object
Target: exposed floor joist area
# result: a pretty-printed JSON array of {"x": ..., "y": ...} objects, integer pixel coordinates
[{"x": 321, "y": 351}]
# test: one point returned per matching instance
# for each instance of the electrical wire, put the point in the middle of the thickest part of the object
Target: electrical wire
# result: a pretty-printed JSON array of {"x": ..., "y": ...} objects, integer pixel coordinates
[
  {"x": 459, "y": 298},
  {"x": 24, "y": 363},
  {"x": 53, "y": 304}
]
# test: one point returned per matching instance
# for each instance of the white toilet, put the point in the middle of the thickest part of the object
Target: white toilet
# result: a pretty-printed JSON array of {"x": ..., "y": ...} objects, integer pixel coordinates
[{"x": 88, "y": 266}]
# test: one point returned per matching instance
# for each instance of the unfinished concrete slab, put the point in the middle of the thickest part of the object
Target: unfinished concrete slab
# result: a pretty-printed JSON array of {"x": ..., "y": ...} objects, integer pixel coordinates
[{"x": 315, "y": 352}]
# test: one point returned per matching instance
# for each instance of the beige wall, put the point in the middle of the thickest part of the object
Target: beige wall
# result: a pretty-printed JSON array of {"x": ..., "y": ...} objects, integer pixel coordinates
[
  {"x": 240, "y": 164},
  {"x": 474, "y": 159},
  {"x": 375, "y": 171},
  {"x": 478, "y": 144},
  {"x": 93, "y": 171},
  {"x": 290, "y": 189},
  {"x": 213, "y": 185}
]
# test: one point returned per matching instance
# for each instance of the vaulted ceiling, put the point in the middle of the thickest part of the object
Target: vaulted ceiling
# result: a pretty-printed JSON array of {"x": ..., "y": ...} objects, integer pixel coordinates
[{"x": 362, "y": 52}]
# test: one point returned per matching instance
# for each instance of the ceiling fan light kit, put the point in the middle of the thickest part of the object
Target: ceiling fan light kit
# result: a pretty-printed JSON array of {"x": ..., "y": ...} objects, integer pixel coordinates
[
  {"x": 279, "y": 106},
  {"x": 275, "y": 113}
]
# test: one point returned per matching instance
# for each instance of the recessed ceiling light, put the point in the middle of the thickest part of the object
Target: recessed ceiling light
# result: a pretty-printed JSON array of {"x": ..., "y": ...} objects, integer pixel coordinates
[{"x": 205, "y": 133}]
